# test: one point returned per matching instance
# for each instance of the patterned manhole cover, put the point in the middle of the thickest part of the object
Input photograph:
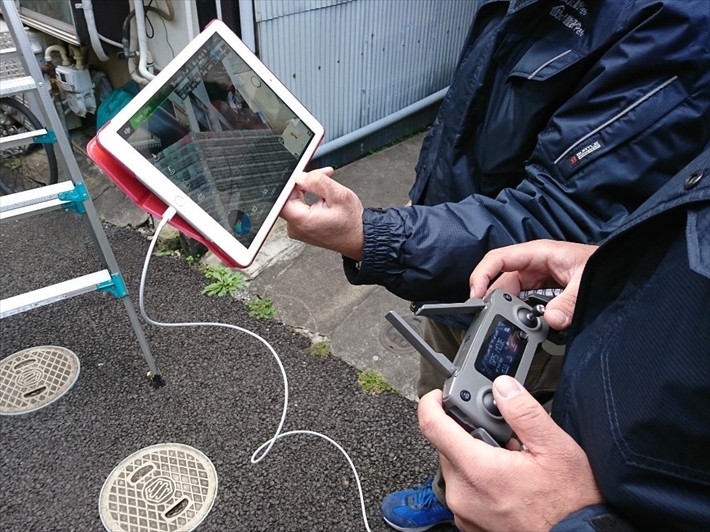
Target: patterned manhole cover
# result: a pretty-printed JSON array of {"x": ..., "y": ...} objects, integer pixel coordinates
[
  {"x": 395, "y": 342},
  {"x": 165, "y": 487},
  {"x": 33, "y": 378}
]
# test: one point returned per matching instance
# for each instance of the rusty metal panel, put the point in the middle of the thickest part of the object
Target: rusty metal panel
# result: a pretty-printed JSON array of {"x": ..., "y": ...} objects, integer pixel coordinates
[{"x": 352, "y": 62}]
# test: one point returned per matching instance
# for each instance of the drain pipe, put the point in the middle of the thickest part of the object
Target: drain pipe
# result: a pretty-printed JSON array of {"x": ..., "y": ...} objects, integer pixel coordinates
[
  {"x": 57, "y": 48},
  {"x": 246, "y": 16},
  {"x": 377, "y": 125},
  {"x": 88, "y": 8},
  {"x": 132, "y": 61},
  {"x": 189, "y": 20},
  {"x": 78, "y": 57},
  {"x": 142, "y": 40}
]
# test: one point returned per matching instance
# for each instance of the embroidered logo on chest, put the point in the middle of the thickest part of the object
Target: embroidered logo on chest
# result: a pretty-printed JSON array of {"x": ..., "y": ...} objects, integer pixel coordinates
[
  {"x": 563, "y": 13},
  {"x": 581, "y": 154}
]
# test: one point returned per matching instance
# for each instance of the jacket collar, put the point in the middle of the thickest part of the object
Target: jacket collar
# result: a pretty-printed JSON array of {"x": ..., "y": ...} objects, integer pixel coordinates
[{"x": 513, "y": 5}]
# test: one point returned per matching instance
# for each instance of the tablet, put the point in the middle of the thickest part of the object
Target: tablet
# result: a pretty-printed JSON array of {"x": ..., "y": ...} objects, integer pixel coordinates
[{"x": 216, "y": 136}]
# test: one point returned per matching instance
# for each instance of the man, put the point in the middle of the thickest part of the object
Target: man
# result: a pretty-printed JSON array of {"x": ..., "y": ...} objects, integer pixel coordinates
[
  {"x": 561, "y": 120},
  {"x": 626, "y": 446}
]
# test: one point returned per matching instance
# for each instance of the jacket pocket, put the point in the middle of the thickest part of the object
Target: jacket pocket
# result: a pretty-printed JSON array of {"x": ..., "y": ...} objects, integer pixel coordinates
[
  {"x": 532, "y": 78},
  {"x": 654, "y": 365},
  {"x": 621, "y": 124},
  {"x": 541, "y": 61}
]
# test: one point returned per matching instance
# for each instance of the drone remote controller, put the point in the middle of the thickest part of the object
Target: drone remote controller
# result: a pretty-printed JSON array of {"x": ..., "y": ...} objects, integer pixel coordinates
[{"x": 502, "y": 340}]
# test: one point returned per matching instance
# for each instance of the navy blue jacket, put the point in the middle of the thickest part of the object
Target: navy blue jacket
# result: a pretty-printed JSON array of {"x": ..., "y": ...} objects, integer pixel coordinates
[
  {"x": 635, "y": 386},
  {"x": 562, "y": 118}
]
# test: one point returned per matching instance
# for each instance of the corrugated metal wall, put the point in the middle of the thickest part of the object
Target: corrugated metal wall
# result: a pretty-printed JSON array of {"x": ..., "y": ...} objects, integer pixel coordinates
[{"x": 351, "y": 62}]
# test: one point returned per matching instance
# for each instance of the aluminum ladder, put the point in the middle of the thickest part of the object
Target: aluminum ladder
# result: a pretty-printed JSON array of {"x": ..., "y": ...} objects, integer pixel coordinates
[{"x": 70, "y": 194}]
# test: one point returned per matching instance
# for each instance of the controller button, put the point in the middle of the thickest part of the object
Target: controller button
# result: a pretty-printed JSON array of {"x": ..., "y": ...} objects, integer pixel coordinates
[
  {"x": 527, "y": 318},
  {"x": 507, "y": 297},
  {"x": 465, "y": 395},
  {"x": 490, "y": 404}
]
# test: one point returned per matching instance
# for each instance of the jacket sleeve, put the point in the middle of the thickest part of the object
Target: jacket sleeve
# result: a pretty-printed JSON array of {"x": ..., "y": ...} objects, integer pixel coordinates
[
  {"x": 639, "y": 113},
  {"x": 597, "y": 518}
]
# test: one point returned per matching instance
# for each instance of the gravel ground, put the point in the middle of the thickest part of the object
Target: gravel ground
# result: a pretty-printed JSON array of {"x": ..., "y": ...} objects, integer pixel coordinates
[{"x": 223, "y": 396}]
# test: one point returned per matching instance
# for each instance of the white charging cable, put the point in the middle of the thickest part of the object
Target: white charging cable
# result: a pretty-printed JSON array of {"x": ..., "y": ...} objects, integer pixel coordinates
[{"x": 264, "y": 448}]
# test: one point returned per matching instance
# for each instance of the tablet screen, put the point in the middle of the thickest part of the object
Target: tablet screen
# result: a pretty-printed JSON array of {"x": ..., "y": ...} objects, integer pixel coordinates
[{"x": 222, "y": 136}]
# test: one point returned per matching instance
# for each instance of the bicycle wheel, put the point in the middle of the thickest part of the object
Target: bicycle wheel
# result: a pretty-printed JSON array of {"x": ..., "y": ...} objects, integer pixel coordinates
[{"x": 24, "y": 167}]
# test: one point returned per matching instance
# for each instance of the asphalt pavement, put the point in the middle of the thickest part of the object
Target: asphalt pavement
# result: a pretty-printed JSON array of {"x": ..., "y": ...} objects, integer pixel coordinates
[{"x": 224, "y": 391}]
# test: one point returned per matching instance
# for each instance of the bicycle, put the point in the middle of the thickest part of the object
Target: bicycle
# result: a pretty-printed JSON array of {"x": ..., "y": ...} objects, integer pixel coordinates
[{"x": 24, "y": 167}]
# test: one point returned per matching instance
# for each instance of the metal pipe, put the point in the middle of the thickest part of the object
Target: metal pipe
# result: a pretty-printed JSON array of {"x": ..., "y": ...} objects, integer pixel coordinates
[
  {"x": 190, "y": 20},
  {"x": 88, "y": 8},
  {"x": 78, "y": 57},
  {"x": 246, "y": 17},
  {"x": 131, "y": 61},
  {"x": 142, "y": 40},
  {"x": 377, "y": 125},
  {"x": 57, "y": 48}
]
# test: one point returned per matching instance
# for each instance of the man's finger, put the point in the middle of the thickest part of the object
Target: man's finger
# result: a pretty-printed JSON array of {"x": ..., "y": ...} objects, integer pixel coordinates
[
  {"x": 486, "y": 270},
  {"x": 295, "y": 207},
  {"x": 531, "y": 423},
  {"x": 327, "y": 170},
  {"x": 319, "y": 183},
  {"x": 508, "y": 281}
]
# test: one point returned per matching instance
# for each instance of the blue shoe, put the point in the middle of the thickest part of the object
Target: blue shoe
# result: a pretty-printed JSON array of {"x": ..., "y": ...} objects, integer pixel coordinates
[{"x": 415, "y": 510}]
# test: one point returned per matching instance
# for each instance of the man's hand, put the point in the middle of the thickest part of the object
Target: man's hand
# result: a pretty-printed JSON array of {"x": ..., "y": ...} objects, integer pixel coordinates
[
  {"x": 333, "y": 222},
  {"x": 533, "y": 265},
  {"x": 489, "y": 488}
]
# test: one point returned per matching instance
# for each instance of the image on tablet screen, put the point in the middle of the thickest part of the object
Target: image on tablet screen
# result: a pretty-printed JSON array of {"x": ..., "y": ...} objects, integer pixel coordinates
[{"x": 222, "y": 136}]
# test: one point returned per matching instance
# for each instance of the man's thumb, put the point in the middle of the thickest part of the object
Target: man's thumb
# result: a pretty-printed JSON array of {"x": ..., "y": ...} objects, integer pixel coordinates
[
  {"x": 318, "y": 182},
  {"x": 559, "y": 311},
  {"x": 530, "y": 422}
]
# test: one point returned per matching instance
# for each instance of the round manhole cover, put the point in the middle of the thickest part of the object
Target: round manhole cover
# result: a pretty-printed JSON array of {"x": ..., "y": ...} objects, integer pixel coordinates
[
  {"x": 33, "y": 378},
  {"x": 395, "y": 342},
  {"x": 165, "y": 487}
]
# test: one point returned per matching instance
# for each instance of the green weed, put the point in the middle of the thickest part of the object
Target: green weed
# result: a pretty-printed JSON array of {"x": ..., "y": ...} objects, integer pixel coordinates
[
  {"x": 374, "y": 383},
  {"x": 262, "y": 308},
  {"x": 226, "y": 282},
  {"x": 320, "y": 349}
]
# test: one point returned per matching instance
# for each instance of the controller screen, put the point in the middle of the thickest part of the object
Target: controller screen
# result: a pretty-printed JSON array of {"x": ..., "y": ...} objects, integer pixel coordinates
[{"x": 502, "y": 349}]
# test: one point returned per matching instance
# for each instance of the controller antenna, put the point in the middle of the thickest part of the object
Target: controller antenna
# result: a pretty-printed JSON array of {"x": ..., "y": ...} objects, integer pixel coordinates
[{"x": 436, "y": 359}]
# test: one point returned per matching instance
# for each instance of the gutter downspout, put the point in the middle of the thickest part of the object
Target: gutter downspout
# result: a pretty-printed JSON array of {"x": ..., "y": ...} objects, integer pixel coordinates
[{"x": 377, "y": 125}]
